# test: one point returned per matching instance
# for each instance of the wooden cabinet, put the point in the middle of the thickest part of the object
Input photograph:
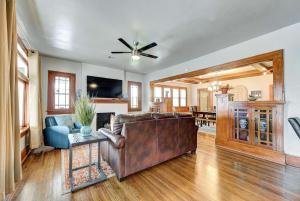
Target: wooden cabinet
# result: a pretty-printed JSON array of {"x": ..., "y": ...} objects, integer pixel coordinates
[
  {"x": 253, "y": 128},
  {"x": 252, "y": 123}
]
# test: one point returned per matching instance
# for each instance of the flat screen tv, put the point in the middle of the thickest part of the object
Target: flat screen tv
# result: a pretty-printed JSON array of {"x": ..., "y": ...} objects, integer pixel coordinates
[{"x": 99, "y": 87}]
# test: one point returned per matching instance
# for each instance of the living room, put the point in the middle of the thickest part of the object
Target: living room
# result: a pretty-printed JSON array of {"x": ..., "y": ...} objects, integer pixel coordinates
[{"x": 100, "y": 101}]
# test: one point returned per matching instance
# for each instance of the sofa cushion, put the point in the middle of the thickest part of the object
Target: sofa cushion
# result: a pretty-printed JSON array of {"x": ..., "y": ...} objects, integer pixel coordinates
[
  {"x": 50, "y": 121},
  {"x": 165, "y": 115},
  {"x": 77, "y": 125},
  {"x": 65, "y": 120},
  {"x": 143, "y": 116},
  {"x": 183, "y": 114},
  {"x": 118, "y": 121}
]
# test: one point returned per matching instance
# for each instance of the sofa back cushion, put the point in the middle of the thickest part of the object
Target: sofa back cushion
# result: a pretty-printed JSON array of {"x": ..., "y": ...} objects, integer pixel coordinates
[
  {"x": 183, "y": 114},
  {"x": 64, "y": 120},
  {"x": 50, "y": 121},
  {"x": 118, "y": 121},
  {"x": 165, "y": 115}
]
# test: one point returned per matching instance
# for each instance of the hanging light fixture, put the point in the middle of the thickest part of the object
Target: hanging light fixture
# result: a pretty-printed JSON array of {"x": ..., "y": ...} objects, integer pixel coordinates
[{"x": 214, "y": 86}]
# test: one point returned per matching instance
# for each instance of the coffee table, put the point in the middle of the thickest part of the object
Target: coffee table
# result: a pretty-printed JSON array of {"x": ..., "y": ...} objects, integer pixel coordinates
[{"x": 78, "y": 140}]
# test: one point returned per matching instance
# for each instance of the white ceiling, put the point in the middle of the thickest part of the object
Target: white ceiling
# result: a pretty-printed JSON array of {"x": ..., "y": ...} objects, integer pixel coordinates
[{"x": 87, "y": 30}]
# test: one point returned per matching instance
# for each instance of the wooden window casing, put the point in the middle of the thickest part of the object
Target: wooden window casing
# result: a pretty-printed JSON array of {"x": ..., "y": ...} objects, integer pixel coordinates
[
  {"x": 22, "y": 54},
  {"x": 171, "y": 88},
  {"x": 139, "y": 101},
  {"x": 51, "y": 93}
]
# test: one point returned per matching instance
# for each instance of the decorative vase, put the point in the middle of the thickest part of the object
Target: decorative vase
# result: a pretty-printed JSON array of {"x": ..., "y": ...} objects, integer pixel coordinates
[
  {"x": 263, "y": 126},
  {"x": 85, "y": 131},
  {"x": 243, "y": 123}
]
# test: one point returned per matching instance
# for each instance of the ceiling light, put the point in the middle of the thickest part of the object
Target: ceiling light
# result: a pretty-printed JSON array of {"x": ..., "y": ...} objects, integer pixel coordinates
[
  {"x": 135, "y": 57},
  {"x": 265, "y": 73}
]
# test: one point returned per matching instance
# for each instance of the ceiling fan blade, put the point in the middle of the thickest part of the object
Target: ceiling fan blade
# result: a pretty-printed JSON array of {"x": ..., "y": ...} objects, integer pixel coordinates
[
  {"x": 148, "y": 55},
  {"x": 147, "y": 47},
  {"x": 125, "y": 43},
  {"x": 120, "y": 52}
]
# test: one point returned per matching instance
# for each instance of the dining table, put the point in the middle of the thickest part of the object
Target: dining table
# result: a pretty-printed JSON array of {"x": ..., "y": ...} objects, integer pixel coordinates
[{"x": 205, "y": 117}]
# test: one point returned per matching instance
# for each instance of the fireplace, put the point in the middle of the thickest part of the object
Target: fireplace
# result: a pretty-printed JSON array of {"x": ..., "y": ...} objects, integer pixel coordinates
[{"x": 103, "y": 120}]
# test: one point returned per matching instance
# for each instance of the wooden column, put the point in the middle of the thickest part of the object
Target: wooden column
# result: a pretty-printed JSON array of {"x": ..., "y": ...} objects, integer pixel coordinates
[{"x": 222, "y": 132}]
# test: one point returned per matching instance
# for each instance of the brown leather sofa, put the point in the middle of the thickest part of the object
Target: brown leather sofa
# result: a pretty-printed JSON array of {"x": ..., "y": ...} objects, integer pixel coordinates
[{"x": 145, "y": 142}]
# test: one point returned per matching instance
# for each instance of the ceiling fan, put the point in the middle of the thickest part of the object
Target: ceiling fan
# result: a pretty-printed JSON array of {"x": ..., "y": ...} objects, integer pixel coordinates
[{"x": 135, "y": 52}]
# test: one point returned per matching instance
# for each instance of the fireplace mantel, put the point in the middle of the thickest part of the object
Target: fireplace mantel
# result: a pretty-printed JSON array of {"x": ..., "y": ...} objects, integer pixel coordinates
[{"x": 109, "y": 101}]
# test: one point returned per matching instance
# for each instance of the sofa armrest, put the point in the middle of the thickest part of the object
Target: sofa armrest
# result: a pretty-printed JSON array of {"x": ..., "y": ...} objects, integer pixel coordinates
[
  {"x": 57, "y": 136},
  {"x": 118, "y": 141}
]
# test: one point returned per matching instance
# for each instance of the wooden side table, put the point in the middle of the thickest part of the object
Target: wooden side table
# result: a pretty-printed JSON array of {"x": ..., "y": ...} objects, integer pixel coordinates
[{"x": 77, "y": 140}]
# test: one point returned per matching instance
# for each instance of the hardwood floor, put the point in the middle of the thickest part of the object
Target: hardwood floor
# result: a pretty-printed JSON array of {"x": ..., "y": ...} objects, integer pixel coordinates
[{"x": 211, "y": 174}]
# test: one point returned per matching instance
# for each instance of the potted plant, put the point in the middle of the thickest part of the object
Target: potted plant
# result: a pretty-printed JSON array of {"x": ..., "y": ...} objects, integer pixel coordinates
[
  {"x": 85, "y": 112},
  {"x": 224, "y": 89}
]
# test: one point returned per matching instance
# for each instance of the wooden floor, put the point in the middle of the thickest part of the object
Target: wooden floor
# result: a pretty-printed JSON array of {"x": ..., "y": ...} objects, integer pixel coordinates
[{"x": 211, "y": 174}]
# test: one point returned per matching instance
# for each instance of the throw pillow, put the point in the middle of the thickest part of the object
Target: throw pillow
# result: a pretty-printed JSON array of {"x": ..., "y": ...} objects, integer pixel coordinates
[{"x": 112, "y": 122}]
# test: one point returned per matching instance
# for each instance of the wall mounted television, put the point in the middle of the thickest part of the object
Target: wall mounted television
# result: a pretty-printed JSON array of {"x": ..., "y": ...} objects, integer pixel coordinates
[{"x": 99, "y": 87}]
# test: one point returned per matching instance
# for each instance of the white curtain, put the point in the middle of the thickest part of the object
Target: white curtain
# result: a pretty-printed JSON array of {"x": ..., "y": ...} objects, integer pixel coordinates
[
  {"x": 35, "y": 102},
  {"x": 10, "y": 154}
]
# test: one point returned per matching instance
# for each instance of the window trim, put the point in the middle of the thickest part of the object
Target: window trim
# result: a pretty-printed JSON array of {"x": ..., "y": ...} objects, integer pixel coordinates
[
  {"x": 171, "y": 87},
  {"x": 23, "y": 78},
  {"x": 51, "y": 93},
  {"x": 139, "y": 108}
]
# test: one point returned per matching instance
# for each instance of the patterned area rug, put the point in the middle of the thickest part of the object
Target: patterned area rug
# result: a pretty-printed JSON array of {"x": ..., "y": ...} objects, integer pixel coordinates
[{"x": 80, "y": 158}]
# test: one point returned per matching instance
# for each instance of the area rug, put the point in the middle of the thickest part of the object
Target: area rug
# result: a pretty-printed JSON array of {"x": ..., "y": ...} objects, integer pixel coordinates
[
  {"x": 211, "y": 130},
  {"x": 80, "y": 158}
]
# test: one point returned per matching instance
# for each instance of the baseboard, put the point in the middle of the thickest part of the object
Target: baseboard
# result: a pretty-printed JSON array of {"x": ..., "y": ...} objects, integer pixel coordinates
[
  {"x": 25, "y": 153},
  {"x": 292, "y": 160}
]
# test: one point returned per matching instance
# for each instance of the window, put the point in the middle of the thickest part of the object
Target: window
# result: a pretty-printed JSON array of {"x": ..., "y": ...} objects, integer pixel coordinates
[
  {"x": 175, "y": 97},
  {"x": 135, "y": 96},
  {"x": 167, "y": 92},
  {"x": 22, "y": 64},
  {"x": 157, "y": 94},
  {"x": 182, "y": 97},
  {"x": 178, "y": 95},
  {"x": 61, "y": 92}
]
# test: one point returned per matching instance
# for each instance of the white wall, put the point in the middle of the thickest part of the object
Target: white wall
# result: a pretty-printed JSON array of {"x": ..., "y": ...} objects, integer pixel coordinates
[
  {"x": 286, "y": 38},
  {"x": 82, "y": 70},
  {"x": 251, "y": 83}
]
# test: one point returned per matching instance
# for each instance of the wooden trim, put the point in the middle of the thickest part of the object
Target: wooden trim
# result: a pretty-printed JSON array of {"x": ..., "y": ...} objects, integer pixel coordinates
[
  {"x": 257, "y": 152},
  {"x": 139, "y": 84},
  {"x": 292, "y": 160},
  {"x": 278, "y": 70},
  {"x": 109, "y": 101},
  {"x": 25, "y": 153},
  {"x": 51, "y": 91},
  {"x": 19, "y": 40}
]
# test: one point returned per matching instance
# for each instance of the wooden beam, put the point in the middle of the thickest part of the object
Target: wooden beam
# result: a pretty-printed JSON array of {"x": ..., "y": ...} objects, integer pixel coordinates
[{"x": 252, "y": 73}]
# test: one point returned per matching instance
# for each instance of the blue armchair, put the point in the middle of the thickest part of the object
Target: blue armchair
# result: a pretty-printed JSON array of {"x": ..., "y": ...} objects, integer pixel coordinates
[{"x": 57, "y": 130}]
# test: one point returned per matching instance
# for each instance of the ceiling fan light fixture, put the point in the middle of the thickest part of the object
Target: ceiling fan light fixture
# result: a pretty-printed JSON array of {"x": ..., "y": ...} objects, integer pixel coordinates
[{"x": 135, "y": 57}]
